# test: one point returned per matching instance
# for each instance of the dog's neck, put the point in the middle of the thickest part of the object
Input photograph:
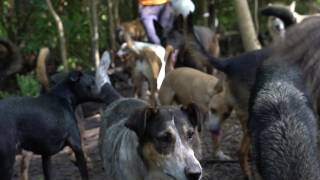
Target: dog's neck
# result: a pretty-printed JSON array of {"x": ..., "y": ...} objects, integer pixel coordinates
[
  {"x": 109, "y": 94},
  {"x": 63, "y": 91}
]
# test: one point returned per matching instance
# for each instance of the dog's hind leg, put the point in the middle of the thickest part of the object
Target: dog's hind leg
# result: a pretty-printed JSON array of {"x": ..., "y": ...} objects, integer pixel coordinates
[
  {"x": 74, "y": 141},
  {"x": 46, "y": 166},
  {"x": 6, "y": 165},
  {"x": 244, "y": 156},
  {"x": 25, "y": 163}
]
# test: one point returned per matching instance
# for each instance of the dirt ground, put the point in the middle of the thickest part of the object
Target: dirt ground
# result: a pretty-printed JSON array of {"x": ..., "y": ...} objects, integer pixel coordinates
[{"x": 64, "y": 169}]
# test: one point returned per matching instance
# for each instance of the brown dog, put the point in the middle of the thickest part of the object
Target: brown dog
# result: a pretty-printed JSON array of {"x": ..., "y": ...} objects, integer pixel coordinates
[
  {"x": 133, "y": 28},
  {"x": 187, "y": 85}
]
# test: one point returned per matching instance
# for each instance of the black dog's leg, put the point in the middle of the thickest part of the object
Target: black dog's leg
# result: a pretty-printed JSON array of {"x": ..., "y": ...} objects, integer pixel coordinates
[
  {"x": 7, "y": 158},
  {"x": 25, "y": 163},
  {"x": 46, "y": 166},
  {"x": 75, "y": 144},
  {"x": 6, "y": 169}
]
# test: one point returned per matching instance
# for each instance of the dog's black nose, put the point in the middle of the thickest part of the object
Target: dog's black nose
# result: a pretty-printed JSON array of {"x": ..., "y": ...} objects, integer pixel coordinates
[{"x": 193, "y": 173}]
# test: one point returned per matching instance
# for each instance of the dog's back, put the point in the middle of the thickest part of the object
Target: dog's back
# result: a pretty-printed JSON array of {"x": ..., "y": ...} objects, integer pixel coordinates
[
  {"x": 282, "y": 126},
  {"x": 183, "y": 84}
]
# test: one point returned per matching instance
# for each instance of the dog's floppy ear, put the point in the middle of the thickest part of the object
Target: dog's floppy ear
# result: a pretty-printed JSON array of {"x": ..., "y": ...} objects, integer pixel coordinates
[
  {"x": 137, "y": 122},
  {"x": 75, "y": 76},
  {"x": 195, "y": 115}
]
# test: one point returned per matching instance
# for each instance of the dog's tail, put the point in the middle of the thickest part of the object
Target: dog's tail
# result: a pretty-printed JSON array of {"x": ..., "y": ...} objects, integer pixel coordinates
[
  {"x": 11, "y": 61},
  {"x": 286, "y": 14},
  {"x": 41, "y": 70}
]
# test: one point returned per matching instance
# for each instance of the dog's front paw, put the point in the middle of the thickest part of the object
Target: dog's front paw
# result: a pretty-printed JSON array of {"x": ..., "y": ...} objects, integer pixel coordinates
[{"x": 221, "y": 156}]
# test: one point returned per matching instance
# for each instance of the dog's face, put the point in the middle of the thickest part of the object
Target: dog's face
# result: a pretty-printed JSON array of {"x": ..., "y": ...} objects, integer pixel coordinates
[
  {"x": 219, "y": 111},
  {"x": 83, "y": 86},
  {"x": 169, "y": 139}
]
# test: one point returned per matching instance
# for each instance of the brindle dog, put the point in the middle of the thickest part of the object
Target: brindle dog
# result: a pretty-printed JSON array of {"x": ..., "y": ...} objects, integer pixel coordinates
[
  {"x": 300, "y": 47},
  {"x": 179, "y": 38},
  {"x": 282, "y": 123}
]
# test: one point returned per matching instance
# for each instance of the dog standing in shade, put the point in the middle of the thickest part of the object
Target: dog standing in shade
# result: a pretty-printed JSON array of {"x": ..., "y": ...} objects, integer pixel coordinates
[
  {"x": 45, "y": 124},
  {"x": 282, "y": 123}
]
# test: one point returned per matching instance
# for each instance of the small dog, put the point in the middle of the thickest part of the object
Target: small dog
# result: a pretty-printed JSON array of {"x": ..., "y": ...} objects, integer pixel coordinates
[
  {"x": 148, "y": 62},
  {"x": 45, "y": 124},
  {"x": 142, "y": 142},
  {"x": 133, "y": 28},
  {"x": 187, "y": 85},
  {"x": 283, "y": 124}
]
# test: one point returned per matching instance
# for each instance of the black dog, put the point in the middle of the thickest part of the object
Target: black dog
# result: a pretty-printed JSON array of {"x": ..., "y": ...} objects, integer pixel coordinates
[
  {"x": 283, "y": 123},
  {"x": 45, "y": 124}
]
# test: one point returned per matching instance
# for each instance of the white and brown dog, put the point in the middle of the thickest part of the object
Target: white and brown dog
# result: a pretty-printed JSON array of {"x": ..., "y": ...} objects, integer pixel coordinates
[
  {"x": 187, "y": 85},
  {"x": 147, "y": 62}
]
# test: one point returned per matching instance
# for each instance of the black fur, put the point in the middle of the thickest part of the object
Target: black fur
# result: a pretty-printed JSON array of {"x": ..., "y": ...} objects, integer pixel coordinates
[
  {"x": 10, "y": 58},
  {"x": 45, "y": 124},
  {"x": 282, "y": 12},
  {"x": 109, "y": 94},
  {"x": 282, "y": 124}
]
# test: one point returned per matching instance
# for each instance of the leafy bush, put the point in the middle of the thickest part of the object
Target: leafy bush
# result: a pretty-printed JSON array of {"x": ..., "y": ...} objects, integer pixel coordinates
[{"x": 28, "y": 85}]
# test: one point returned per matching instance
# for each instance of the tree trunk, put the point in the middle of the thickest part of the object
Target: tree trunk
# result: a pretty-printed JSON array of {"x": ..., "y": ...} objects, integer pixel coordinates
[
  {"x": 94, "y": 33},
  {"x": 111, "y": 25},
  {"x": 61, "y": 35},
  {"x": 116, "y": 13},
  {"x": 212, "y": 14},
  {"x": 248, "y": 33}
]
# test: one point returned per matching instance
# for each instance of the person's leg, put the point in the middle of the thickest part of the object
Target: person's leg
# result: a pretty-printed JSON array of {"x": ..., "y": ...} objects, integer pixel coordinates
[
  {"x": 167, "y": 16},
  {"x": 148, "y": 14}
]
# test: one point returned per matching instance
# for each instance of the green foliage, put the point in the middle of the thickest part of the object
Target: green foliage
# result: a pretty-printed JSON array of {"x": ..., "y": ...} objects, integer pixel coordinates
[
  {"x": 4, "y": 94},
  {"x": 28, "y": 85}
]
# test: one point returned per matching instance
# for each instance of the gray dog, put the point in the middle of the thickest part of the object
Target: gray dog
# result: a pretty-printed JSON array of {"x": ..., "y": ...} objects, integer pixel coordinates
[{"x": 140, "y": 142}]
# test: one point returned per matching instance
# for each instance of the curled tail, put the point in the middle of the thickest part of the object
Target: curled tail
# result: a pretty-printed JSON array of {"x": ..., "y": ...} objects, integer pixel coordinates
[
  {"x": 41, "y": 69},
  {"x": 11, "y": 61},
  {"x": 282, "y": 12}
]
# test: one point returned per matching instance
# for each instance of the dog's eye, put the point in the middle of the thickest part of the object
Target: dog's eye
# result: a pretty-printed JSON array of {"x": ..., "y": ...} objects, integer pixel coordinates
[
  {"x": 165, "y": 138},
  {"x": 190, "y": 135}
]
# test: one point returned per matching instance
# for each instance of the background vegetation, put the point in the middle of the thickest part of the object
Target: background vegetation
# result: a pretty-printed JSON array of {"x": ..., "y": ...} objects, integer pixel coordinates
[{"x": 30, "y": 26}]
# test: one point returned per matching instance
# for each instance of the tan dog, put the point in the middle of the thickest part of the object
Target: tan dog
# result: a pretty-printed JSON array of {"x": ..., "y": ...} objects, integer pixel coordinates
[
  {"x": 187, "y": 85},
  {"x": 134, "y": 28}
]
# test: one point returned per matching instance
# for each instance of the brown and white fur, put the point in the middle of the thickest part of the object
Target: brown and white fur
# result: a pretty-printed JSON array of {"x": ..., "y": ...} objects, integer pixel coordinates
[
  {"x": 148, "y": 63},
  {"x": 187, "y": 85}
]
